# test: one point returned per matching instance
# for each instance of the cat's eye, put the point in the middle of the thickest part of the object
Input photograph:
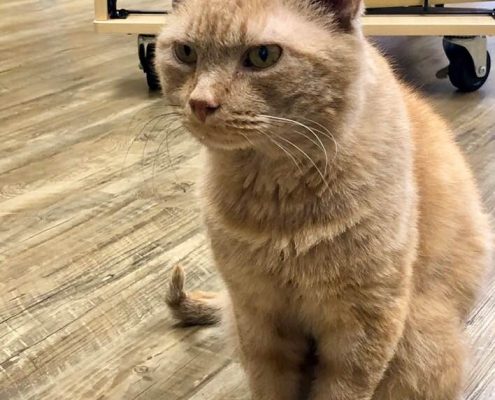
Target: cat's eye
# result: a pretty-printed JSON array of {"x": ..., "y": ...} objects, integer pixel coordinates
[
  {"x": 262, "y": 57},
  {"x": 185, "y": 53}
]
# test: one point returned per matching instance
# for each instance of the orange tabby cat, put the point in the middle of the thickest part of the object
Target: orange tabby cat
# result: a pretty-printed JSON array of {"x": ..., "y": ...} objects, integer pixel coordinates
[{"x": 342, "y": 216}]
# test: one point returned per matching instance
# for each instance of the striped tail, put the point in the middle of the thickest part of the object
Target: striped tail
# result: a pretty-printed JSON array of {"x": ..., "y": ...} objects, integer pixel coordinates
[{"x": 190, "y": 309}]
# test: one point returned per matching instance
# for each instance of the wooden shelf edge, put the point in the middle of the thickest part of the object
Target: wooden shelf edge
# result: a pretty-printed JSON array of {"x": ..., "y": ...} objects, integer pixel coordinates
[
  {"x": 374, "y": 25},
  {"x": 404, "y": 3},
  {"x": 420, "y": 25}
]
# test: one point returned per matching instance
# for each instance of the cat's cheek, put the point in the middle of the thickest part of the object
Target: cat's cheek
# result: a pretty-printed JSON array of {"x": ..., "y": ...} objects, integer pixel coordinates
[{"x": 177, "y": 85}]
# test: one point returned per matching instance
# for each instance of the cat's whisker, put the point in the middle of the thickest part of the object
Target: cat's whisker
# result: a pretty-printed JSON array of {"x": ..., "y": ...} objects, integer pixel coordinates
[
  {"x": 151, "y": 131},
  {"x": 310, "y": 139},
  {"x": 285, "y": 150},
  {"x": 151, "y": 107},
  {"x": 143, "y": 156},
  {"x": 288, "y": 153},
  {"x": 167, "y": 143},
  {"x": 173, "y": 115},
  {"x": 131, "y": 143},
  {"x": 327, "y": 134},
  {"x": 247, "y": 139},
  {"x": 290, "y": 121},
  {"x": 306, "y": 155},
  {"x": 139, "y": 134},
  {"x": 157, "y": 155}
]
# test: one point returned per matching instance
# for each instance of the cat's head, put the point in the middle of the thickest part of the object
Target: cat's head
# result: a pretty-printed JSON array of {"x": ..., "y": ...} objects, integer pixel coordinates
[{"x": 261, "y": 73}]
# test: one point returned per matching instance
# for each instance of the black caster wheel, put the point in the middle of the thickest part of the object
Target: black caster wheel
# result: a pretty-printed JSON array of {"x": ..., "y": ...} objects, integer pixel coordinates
[
  {"x": 147, "y": 59},
  {"x": 462, "y": 71},
  {"x": 151, "y": 76}
]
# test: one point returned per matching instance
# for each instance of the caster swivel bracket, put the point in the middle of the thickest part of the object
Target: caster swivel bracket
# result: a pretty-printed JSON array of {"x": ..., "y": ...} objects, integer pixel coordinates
[{"x": 477, "y": 48}]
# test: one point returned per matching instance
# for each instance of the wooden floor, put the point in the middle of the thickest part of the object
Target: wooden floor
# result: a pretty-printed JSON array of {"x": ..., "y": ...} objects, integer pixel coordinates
[{"x": 97, "y": 205}]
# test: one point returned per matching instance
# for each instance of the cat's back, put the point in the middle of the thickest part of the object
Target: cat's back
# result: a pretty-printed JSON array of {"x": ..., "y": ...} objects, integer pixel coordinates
[{"x": 455, "y": 241}]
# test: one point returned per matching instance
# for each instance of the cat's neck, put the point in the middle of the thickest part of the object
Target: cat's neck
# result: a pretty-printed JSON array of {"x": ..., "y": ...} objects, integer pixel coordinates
[
  {"x": 256, "y": 198},
  {"x": 261, "y": 173}
]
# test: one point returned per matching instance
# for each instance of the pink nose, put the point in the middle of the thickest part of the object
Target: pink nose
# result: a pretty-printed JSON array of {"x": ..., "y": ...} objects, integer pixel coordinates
[{"x": 203, "y": 109}]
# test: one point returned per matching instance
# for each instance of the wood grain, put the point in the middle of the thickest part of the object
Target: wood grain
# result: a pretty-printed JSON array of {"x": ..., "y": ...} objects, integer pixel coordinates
[
  {"x": 97, "y": 204},
  {"x": 101, "y": 10},
  {"x": 373, "y": 25},
  {"x": 405, "y": 3}
]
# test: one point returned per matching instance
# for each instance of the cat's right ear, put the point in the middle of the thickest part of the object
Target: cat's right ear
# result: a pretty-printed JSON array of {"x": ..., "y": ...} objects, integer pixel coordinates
[{"x": 345, "y": 12}]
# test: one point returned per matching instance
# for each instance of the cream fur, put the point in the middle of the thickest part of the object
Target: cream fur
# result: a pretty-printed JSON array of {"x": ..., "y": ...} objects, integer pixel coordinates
[{"x": 370, "y": 250}]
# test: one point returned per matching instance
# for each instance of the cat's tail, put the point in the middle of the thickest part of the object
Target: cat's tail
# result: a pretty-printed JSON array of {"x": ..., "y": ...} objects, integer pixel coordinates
[{"x": 196, "y": 308}]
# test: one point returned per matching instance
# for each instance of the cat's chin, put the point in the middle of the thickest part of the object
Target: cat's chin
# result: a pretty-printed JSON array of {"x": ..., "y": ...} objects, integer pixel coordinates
[
  {"x": 224, "y": 145},
  {"x": 218, "y": 140}
]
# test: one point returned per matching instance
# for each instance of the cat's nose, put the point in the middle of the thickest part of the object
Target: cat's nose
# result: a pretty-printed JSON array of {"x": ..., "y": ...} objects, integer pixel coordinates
[{"x": 203, "y": 109}]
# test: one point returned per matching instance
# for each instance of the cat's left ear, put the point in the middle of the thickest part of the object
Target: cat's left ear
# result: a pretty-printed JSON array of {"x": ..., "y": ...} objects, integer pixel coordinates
[{"x": 345, "y": 12}]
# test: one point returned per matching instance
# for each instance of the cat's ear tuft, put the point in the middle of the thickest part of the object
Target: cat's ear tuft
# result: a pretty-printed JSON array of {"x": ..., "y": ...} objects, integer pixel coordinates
[{"x": 345, "y": 11}]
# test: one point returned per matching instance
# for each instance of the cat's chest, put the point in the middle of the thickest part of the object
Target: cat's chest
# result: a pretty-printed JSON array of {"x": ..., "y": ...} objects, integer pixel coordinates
[
  {"x": 284, "y": 214},
  {"x": 290, "y": 232},
  {"x": 332, "y": 255},
  {"x": 263, "y": 197},
  {"x": 327, "y": 261}
]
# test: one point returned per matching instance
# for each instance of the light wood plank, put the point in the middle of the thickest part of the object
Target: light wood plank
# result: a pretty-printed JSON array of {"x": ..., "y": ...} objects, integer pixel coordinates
[
  {"x": 428, "y": 25},
  {"x": 101, "y": 10},
  {"x": 374, "y": 25},
  {"x": 405, "y": 3}
]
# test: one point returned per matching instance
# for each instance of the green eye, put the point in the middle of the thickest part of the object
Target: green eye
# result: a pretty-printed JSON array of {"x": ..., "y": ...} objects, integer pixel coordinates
[
  {"x": 263, "y": 56},
  {"x": 185, "y": 53}
]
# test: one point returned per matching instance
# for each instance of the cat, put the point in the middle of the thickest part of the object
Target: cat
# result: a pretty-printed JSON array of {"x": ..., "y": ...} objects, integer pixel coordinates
[{"x": 341, "y": 214}]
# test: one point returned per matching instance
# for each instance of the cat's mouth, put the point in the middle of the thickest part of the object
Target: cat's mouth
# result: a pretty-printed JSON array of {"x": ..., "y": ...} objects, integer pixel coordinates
[{"x": 222, "y": 137}]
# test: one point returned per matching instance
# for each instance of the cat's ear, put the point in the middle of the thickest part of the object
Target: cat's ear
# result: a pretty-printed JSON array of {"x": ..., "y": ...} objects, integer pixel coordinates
[{"x": 345, "y": 12}]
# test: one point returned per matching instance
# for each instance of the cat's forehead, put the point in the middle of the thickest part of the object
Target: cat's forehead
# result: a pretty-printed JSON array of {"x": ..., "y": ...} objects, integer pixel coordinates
[
  {"x": 219, "y": 22},
  {"x": 232, "y": 23}
]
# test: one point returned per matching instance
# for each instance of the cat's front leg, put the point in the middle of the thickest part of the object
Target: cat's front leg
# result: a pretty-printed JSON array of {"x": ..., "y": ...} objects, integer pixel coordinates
[
  {"x": 354, "y": 351},
  {"x": 271, "y": 358}
]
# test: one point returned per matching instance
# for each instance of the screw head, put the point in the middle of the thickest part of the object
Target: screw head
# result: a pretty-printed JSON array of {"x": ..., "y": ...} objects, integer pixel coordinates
[{"x": 482, "y": 70}]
